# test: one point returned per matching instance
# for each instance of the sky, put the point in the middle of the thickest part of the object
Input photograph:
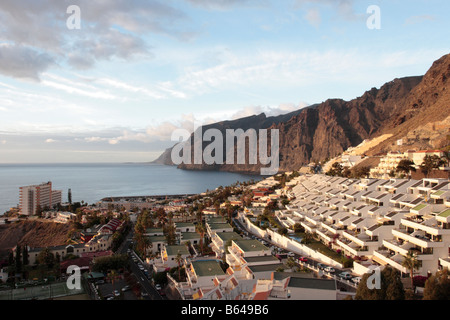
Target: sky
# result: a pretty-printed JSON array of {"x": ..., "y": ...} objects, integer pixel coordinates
[{"x": 111, "y": 81}]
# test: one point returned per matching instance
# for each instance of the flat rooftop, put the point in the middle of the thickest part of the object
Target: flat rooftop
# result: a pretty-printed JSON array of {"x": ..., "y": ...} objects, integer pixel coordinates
[
  {"x": 250, "y": 245},
  {"x": 205, "y": 268},
  {"x": 174, "y": 250},
  {"x": 216, "y": 226},
  {"x": 225, "y": 236}
]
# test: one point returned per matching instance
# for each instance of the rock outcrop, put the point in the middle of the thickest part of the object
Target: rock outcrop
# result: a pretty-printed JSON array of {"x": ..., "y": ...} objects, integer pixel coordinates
[{"x": 327, "y": 129}]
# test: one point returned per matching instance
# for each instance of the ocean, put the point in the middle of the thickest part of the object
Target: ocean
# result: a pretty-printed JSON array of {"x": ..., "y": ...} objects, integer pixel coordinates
[{"x": 92, "y": 182}]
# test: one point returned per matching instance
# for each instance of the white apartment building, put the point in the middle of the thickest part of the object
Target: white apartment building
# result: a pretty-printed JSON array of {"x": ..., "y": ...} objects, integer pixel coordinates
[
  {"x": 35, "y": 197},
  {"x": 390, "y": 162},
  {"x": 378, "y": 220}
]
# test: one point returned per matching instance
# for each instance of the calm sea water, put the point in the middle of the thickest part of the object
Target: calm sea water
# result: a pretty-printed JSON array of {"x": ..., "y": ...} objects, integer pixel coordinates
[{"x": 92, "y": 182}]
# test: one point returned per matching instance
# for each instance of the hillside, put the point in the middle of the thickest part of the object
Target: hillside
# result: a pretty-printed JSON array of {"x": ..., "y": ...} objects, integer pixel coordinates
[
  {"x": 32, "y": 233},
  {"x": 398, "y": 108},
  {"x": 424, "y": 120}
]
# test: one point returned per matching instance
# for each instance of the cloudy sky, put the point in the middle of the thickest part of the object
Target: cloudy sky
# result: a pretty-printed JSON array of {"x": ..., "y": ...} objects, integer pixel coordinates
[{"x": 116, "y": 88}]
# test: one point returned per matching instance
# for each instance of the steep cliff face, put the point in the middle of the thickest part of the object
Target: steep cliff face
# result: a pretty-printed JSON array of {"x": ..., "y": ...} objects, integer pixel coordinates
[
  {"x": 327, "y": 129},
  {"x": 427, "y": 103},
  {"x": 335, "y": 125}
]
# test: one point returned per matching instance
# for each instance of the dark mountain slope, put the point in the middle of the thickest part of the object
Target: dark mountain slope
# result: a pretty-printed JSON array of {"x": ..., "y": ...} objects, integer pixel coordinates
[{"x": 329, "y": 128}]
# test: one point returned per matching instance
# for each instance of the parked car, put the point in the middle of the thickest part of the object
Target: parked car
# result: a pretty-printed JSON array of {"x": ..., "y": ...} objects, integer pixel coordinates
[
  {"x": 158, "y": 287},
  {"x": 291, "y": 254},
  {"x": 356, "y": 280},
  {"x": 116, "y": 293},
  {"x": 321, "y": 266},
  {"x": 303, "y": 259},
  {"x": 126, "y": 288},
  {"x": 345, "y": 276},
  {"x": 330, "y": 269},
  {"x": 108, "y": 296}
]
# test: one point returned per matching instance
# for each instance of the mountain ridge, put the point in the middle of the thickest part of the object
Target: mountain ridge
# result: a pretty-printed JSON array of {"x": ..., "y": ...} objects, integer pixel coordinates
[{"x": 327, "y": 129}]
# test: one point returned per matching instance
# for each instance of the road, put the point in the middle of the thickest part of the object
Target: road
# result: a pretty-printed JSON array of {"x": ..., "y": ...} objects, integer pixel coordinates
[{"x": 148, "y": 290}]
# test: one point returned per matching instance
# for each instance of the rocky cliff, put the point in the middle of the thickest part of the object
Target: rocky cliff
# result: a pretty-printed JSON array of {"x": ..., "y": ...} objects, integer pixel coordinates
[{"x": 324, "y": 130}]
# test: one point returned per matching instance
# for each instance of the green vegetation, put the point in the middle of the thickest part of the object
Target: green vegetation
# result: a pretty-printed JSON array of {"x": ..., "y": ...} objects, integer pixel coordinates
[
  {"x": 114, "y": 262},
  {"x": 437, "y": 287},
  {"x": 391, "y": 287}
]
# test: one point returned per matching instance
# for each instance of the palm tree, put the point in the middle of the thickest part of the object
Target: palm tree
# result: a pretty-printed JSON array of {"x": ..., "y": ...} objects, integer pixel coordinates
[
  {"x": 201, "y": 229},
  {"x": 146, "y": 244},
  {"x": 179, "y": 261},
  {"x": 410, "y": 262}
]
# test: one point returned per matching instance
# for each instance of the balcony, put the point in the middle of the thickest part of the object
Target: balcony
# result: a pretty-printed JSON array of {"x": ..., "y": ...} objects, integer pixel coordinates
[
  {"x": 394, "y": 260},
  {"x": 333, "y": 228},
  {"x": 191, "y": 277},
  {"x": 430, "y": 226},
  {"x": 308, "y": 227},
  {"x": 352, "y": 247},
  {"x": 361, "y": 239},
  {"x": 401, "y": 247},
  {"x": 325, "y": 235},
  {"x": 418, "y": 238},
  {"x": 233, "y": 258}
]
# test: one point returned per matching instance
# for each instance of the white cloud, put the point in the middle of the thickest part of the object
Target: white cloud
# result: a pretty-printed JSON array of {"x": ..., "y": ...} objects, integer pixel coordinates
[
  {"x": 23, "y": 62},
  {"x": 343, "y": 8},
  {"x": 313, "y": 17},
  {"x": 78, "y": 91},
  {"x": 419, "y": 19},
  {"x": 36, "y": 36},
  {"x": 225, "y": 4}
]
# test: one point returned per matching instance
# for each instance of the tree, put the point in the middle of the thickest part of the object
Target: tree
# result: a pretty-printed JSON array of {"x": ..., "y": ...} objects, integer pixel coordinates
[
  {"x": 394, "y": 286},
  {"x": 45, "y": 257},
  {"x": 360, "y": 172},
  {"x": 170, "y": 233},
  {"x": 69, "y": 196},
  {"x": 391, "y": 287},
  {"x": 405, "y": 166},
  {"x": 290, "y": 263},
  {"x": 11, "y": 258},
  {"x": 18, "y": 259},
  {"x": 201, "y": 230},
  {"x": 114, "y": 262},
  {"x": 307, "y": 238},
  {"x": 229, "y": 209},
  {"x": 283, "y": 231},
  {"x": 446, "y": 158},
  {"x": 430, "y": 163},
  {"x": 179, "y": 261},
  {"x": 411, "y": 263},
  {"x": 437, "y": 287},
  {"x": 336, "y": 170}
]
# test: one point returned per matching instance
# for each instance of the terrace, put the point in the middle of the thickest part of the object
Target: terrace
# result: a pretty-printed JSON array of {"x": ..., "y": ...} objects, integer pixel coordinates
[
  {"x": 352, "y": 248},
  {"x": 386, "y": 257},
  {"x": 418, "y": 237}
]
